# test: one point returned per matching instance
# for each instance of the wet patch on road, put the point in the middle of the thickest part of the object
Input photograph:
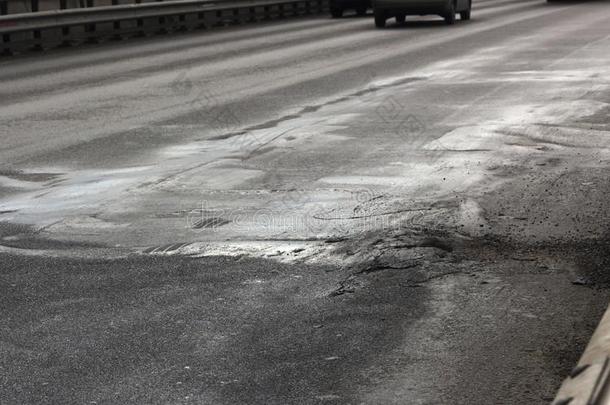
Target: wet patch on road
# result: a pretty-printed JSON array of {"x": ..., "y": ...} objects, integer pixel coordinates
[
  {"x": 29, "y": 176},
  {"x": 15, "y": 238}
]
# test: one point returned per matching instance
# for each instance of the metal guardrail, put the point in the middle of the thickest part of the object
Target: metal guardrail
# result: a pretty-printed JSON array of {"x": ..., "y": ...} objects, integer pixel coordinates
[
  {"x": 589, "y": 381},
  {"x": 80, "y": 16},
  {"x": 205, "y": 11}
]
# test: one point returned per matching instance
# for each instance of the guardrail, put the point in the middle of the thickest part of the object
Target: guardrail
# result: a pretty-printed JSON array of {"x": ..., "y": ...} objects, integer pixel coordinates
[
  {"x": 589, "y": 381},
  {"x": 177, "y": 15}
]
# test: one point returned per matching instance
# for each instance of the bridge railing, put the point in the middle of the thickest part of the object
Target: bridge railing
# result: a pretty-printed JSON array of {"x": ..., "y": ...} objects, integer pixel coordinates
[{"x": 64, "y": 26}]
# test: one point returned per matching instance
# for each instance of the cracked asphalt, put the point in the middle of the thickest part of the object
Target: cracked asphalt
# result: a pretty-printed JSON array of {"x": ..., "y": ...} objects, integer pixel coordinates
[
  {"x": 308, "y": 211},
  {"x": 481, "y": 324}
]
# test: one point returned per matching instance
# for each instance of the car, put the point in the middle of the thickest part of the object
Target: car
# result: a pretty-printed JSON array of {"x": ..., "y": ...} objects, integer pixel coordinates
[
  {"x": 399, "y": 9},
  {"x": 337, "y": 7}
]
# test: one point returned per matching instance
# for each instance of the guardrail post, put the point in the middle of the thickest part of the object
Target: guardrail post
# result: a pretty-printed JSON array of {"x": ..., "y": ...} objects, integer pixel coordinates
[
  {"x": 116, "y": 26},
  {"x": 182, "y": 23},
  {"x": 201, "y": 18},
  {"x": 37, "y": 36},
  {"x": 140, "y": 24},
  {"x": 162, "y": 23},
  {"x": 6, "y": 38},
  {"x": 182, "y": 26},
  {"x": 65, "y": 31},
  {"x": 236, "y": 19},
  {"x": 90, "y": 28}
]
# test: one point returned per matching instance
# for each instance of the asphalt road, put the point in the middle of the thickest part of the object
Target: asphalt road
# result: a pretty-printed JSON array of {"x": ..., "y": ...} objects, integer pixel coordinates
[{"x": 309, "y": 211}]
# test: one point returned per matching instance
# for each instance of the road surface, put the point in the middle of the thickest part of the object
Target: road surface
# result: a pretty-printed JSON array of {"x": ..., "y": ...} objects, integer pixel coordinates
[{"x": 308, "y": 211}]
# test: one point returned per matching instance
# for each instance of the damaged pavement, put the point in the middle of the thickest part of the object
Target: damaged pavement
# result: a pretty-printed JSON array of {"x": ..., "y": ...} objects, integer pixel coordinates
[{"x": 313, "y": 218}]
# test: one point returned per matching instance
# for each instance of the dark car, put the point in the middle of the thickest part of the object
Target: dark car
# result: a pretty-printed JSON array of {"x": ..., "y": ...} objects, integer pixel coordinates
[
  {"x": 337, "y": 7},
  {"x": 399, "y": 9}
]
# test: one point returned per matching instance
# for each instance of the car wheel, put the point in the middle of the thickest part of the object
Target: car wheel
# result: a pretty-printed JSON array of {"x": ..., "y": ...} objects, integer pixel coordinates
[
  {"x": 465, "y": 15},
  {"x": 379, "y": 19},
  {"x": 450, "y": 13},
  {"x": 400, "y": 18},
  {"x": 336, "y": 12},
  {"x": 361, "y": 11}
]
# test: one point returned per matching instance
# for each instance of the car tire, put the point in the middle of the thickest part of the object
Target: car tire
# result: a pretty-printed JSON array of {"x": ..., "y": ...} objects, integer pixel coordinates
[
  {"x": 450, "y": 13},
  {"x": 401, "y": 18},
  {"x": 465, "y": 15},
  {"x": 361, "y": 11},
  {"x": 380, "y": 19},
  {"x": 336, "y": 12}
]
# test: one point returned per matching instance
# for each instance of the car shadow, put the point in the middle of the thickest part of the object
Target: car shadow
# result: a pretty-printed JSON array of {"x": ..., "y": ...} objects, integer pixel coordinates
[
  {"x": 353, "y": 15},
  {"x": 417, "y": 24}
]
